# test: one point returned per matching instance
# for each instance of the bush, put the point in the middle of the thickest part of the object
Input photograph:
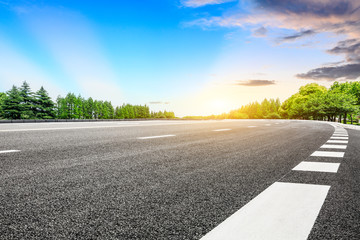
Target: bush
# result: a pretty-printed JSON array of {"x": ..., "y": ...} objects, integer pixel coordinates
[
  {"x": 273, "y": 116},
  {"x": 241, "y": 116}
]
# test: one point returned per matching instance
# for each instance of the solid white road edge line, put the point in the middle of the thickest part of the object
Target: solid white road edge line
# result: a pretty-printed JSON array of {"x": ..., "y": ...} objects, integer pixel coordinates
[
  {"x": 317, "y": 167},
  {"x": 327, "y": 154},
  {"x": 161, "y": 136},
  {"x": 65, "y": 128},
  {"x": 91, "y": 127},
  {"x": 221, "y": 130},
  {"x": 334, "y": 146},
  {"x": 282, "y": 211},
  {"x": 9, "y": 151}
]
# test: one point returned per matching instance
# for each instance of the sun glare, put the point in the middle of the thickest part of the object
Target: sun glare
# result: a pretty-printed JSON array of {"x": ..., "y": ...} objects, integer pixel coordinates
[{"x": 219, "y": 106}]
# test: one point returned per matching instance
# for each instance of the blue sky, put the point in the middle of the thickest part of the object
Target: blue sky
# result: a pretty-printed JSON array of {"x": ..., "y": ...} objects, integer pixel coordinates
[{"x": 194, "y": 57}]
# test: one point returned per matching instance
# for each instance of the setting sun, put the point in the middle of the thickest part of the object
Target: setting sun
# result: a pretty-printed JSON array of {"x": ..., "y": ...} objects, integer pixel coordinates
[{"x": 219, "y": 106}]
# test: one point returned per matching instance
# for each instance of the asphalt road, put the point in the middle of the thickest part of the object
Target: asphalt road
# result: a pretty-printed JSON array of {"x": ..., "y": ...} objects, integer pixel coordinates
[{"x": 163, "y": 179}]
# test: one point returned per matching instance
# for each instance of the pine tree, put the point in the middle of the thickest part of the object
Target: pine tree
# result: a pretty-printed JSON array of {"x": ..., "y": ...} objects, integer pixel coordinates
[
  {"x": 28, "y": 104},
  {"x": 45, "y": 107},
  {"x": 2, "y": 99},
  {"x": 11, "y": 106}
]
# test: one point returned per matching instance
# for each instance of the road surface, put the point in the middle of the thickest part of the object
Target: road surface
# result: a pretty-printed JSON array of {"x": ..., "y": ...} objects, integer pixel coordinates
[{"x": 241, "y": 179}]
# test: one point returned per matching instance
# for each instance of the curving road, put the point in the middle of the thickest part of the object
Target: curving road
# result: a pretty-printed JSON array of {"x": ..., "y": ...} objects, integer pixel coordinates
[{"x": 179, "y": 180}]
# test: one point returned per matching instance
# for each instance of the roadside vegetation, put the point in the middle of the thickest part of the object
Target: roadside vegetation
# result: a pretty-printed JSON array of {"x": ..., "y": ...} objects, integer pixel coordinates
[
  {"x": 22, "y": 103},
  {"x": 341, "y": 102}
]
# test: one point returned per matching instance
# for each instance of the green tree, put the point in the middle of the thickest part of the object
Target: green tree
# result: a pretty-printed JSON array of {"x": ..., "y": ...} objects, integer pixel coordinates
[
  {"x": 62, "y": 108},
  {"x": 28, "y": 102},
  {"x": 12, "y": 104},
  {"x": 45, "y": 107},
  {"x": 88, "y": 108},
  {"x": 2, "y": 99},
  {"x": 297, "y": 105},
  {"x": 265, "y": 108},
  {"x": 350, "y": 89}
]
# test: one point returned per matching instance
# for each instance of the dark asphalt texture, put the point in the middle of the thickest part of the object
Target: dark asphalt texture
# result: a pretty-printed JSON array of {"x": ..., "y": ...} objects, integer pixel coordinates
[{"x": 104, "y": 183}]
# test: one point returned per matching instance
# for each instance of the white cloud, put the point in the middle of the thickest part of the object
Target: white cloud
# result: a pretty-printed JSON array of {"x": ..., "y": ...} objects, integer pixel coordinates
[
  {"x": 304, "y": 18},
  {"x": 293, "y": 16},
  {"x": 200, "y": 3}
]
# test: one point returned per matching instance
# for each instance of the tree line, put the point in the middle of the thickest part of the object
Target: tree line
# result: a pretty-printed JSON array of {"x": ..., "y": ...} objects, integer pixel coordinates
[
  {"x": 22, "y": 103},
  {"x": 340, "y": 102},
  {"x": 268, "y": 109}
]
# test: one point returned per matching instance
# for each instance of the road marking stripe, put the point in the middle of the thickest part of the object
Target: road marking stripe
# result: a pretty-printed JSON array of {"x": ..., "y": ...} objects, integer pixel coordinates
[
  {"x": 317, "y": 167},
  {"x": 65, "y": 128},
  {"x": 333, "y": 146},
  {"x": 282, "y": 211},
  {"x": 340, "y": 135},
  {"x": 340, "y": 132},
  {"x": 9, "y": 151},
  {"x": 337, "y": 141},
  {"x": 345, "y": 138},
  {"x": 157, "y": 123},
  {"x": 267, "y": 124},
  {"x": 327, "y": 154},
  {"x": 161, "y": 136},
  {"x": 221, "y": 130}
]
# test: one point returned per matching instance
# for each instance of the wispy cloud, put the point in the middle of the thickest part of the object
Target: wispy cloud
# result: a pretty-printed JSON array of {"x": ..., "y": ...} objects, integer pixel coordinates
[
  {"x": 350, "y": 48},
  {"x": 260, "y": 32},
  {"x": 344, "y": 70},
  {"x": 4, "y": 3},
  {"x": 339, "y": 72},
  {"x": 159, "y": 102},
  {"x": 297, "y": 35},
  {"x": 255, "y": 83},
  {"x": 307, "y": 17},
  {"x": 200, "y": 3}
]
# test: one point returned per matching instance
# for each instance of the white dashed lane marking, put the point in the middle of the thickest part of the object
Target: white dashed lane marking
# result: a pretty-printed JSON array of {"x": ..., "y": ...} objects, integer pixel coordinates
[
  {"x": 340, "y": 138},
  {"x": 340, "y": 135},
  {"x": 337, "y": 141},
  {"x": 340, "y": 132},
  {"x": 274, "y": 214},
  {"x": 327, "y": 154},
  {"x": 317, "y": 167},
  {"x": 9, "y": 151},
  {"x": 222, "y": 130},
  {"x": 161, "y": 136},
  {"x": 334, "y": 146}
]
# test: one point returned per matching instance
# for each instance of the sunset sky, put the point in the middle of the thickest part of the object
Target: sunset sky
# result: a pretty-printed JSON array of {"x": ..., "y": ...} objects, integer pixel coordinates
[{"x": 193, "y": 57}]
